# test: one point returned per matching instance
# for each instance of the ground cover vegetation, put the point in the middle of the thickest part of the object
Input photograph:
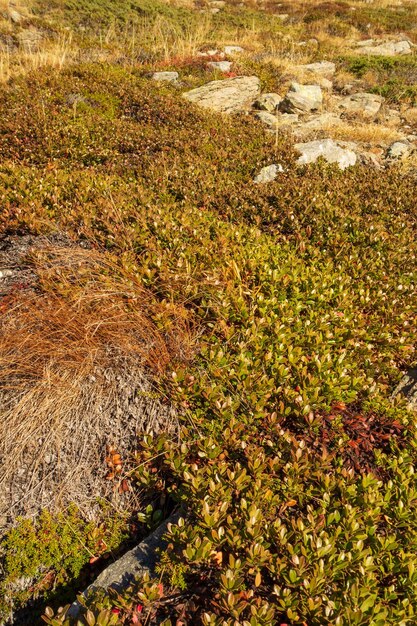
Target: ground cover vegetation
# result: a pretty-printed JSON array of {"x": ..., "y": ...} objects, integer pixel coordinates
[{"x": 277, "y": 319}]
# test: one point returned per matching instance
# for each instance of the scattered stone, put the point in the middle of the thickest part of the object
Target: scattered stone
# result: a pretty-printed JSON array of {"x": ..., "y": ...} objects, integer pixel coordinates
[
  {"x": 141, "y": 559},
  {"x": 325, "y": 69},
  {"x": 389, "y": 49},
  {"x": 166, "y": 77},
  {"x": 363, "y": 105},
  {"x": 270, "y": 120},
  {"x": 302, "y": 99},
  {"x": 282, "y": 16},
  {"x": 328, "y": 150},
  {"x": 407, "y": 387},
  {"x": 227, "y": 96},
  {"x": 268, "y": 173},
  {"x": 209, "y": 53},
  {"x": 399, "y": 150},
  {"x": 268, "y": 102},
  {"x": 222, "y": 66},
  {"x": 230, "y": 50}
]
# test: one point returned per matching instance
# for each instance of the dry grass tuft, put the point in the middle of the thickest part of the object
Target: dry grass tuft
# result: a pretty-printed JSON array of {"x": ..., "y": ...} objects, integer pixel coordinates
[{"x": 73, "y": 378}]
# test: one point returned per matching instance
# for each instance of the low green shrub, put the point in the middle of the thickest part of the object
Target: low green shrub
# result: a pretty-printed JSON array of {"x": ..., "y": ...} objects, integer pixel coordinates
[
  {"x": 42, "y": 558},
  {"x": 302, "y": 297}
]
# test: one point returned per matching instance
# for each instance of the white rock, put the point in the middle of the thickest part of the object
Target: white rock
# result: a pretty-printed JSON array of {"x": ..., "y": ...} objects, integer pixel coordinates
[
  {"x": 399, "y": 149},
  {"x": 328, "y": 150},
  {"x": 167, "y": 77},
  {"x": 227, "y": 96},
  {"x": 209, "y": 53},
  {"x": 230, "y": 50},
  {"x": 389, "y": 49},
  {"x": 222, "y": 66},
  {"x": 268, "y": 173},
  {"x": 302, "y": 98}
]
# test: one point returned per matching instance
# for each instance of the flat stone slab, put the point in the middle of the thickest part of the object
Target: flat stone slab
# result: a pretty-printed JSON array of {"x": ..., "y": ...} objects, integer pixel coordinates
[
  {"x": 167, "y": 77},
  {"x": 388, "y": 49},
  {"x": 328, "y": 149},
  {"x": 138, "y": 561},
  {"x": 226, "y": 96}
]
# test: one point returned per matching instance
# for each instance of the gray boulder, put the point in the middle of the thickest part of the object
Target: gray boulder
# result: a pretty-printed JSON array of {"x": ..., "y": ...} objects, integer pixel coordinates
[
  {"x": 363, "y": 105},
  {"x": 138, "y": 561},
  {"x": 166, "y": 77},
  {"x": 328, "y": 150},
  {"x": 268, "y": 102},
  {"x": 388, "y": 49},
  {"x": 407, "y": 388},
  {"x": 222, "y": 66},
  {"x": 227, "y": 96},
  {"x": 268, "y": 173},
  {"x": 302, "y": 99}
]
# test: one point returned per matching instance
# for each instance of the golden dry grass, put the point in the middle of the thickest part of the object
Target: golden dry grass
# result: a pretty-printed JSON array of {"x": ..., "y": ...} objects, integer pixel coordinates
[{"x": 71, "y": 363}]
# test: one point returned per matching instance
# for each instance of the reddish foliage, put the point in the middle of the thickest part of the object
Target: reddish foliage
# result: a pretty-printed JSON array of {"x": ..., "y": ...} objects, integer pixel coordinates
[{"x": 367, "y": 432}]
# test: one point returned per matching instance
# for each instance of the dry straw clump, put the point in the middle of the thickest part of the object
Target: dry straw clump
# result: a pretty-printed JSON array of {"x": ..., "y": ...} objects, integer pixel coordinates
[{"x": 75, "y": 368}]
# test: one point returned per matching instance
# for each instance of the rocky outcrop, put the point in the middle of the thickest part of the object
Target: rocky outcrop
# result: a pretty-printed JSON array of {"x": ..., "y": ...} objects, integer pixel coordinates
[
  {"x": 302, "y": 99},
  {"x": 328, "y": 150},
  {"x": 268, "y": 102},
  {"x": 387, "y": 49},
  {"x": 226, "y": 96},
  {"x": 362, "y": 105}
]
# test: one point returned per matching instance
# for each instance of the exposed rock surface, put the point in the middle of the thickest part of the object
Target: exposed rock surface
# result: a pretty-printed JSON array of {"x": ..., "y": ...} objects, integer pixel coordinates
[
  {"x": 363, "y": 105},
  {"x": 168, "y": 77},
  {"x": 268, "y": 102},
  {"x": 138, "y": 561},
  {"x": 268, "y": 173},
  {"x": 230, "y": 50},
  {"x": 227, "y": 96},
  {"x": 269, "y": 119},
  {"x": 388, "y": 49},
  {"x": 408, "y": 388},
  {"x": 302, "y": 99},
  {"x": 399, "y": 150},
  {"x": 222, "y": 66},
  {"x": 328, "y": 150}
]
